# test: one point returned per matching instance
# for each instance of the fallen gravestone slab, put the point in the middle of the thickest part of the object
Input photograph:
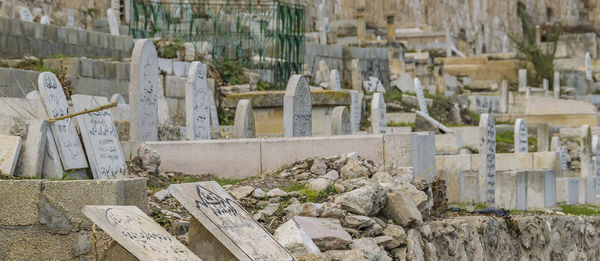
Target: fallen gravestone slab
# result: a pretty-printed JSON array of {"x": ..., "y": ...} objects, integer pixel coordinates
[
  {"x": 137, "y": 233},
  {"x": 222, "y": 229},
  {"x": 10, "y": 146}
]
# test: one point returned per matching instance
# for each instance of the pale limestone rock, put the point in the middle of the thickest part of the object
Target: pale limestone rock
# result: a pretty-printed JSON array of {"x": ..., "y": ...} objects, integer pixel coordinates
[
  {"x": 368, "y": 200},
  {"x": 241, "y": 192},
  {"x": 382, "y": 177},
  {"x": 319, "y": 184},
  {"x": 353, "y": 170},
  {"x": 369, "y": 248},
  {"x": 318, "y": 167},
  {"x": 295, "y": 240},
  {"x": 402, "y": 210},
  {"x": 332, "y": 175},
  {"x": 358, "y": 221},
  {"x": 162, "y": 195},
  {"x": 276, "y": 193},
  {"x": 414, "y": 246},
  {"x": 397, "y": 233},
  {"x": 259, "y": 193}
]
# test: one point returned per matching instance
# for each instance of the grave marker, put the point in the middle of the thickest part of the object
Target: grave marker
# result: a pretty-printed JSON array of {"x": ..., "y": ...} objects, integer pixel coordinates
[
  {"x": 487, "y": 152},
  {"x": 543, "y": 136},
  {"x": 224, "y": 223},
  {"x": 334, "y": 80},
  {"x": 595, "y": 145},
  {"x": 545, "y": 86},
  {"x": 197, "y": 103},
  {"x": 522, "y": 80},
  {"x": 449, "y": 43},
  {"x": 504, "y": 97},
  {"x": 118, "y": 98},
  {"x": 556, "y": 85},
  {"x": 297, "y": 108},
  {"x": 562, "y": 150},
  {"x": 420, "y": 96},
  {"x": 243, "y": 126},
  {"x": 324, "y": 73},
  {"x": 596, "y": 162},
  {"x": 143, "y": 92},
  {"x": 505, "y": 44},
  {"x": 340, "y": 121},
  {"x": 588, "y": 67},
  {"x": 25, "y": 14},
  {"x": 115, "y": 5},
  {"x": 378, "y": 114},
  {"x": 100, "y": 138},
  {"x": 374, "y": 85},
  {"x": 113, "y": 25},
  {"x": 587, "y": 167},
  {"x": 520, "y": 136},
  {"x": 65, "y": 135},
  {"x": 70, "y": 18},
  {"x": 357, "y": 99},
  {"x": 10, "y": 147},
  {"x": 138, "y": 233},
  {"x": 356, "y": 75},
  {"x": 45, "y": 20}
]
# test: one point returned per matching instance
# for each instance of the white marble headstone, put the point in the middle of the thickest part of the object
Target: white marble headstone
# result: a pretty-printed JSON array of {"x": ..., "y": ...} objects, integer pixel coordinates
[
  {"x": 143, "y": 92},
  {"x": 70, "y": 18},
  {"x": 587, "y": 167},
  {"x": 545, "y": 85},
  {"x": 521, "y": 136},
  {"x": 504, "y": 97},
  {"x": 100, "y": 138},
  {"x": 522, "y": 80},
  {"x": 45, "y": 20},
  {"x": 197, "y": 103},
  {"x": 505, "y": 44},
  {"x": 595, "y": 145},
  {"x": 33, "y": 95},
  {"x": 588, "y": 67},
  {"x": 118, "y": 98},
  {"x": 113, "y": 24},
  {"x": 420, "y": 96},
  {"x": 138, "y": 233},
  {"x": 297, "y": 108},
  {"x": 10, "y": 147},
  {"x": 334, "y": 79},
  {"x": 378, "y": 114},
  {"x": 228, "y": 222},
  {"x": 340, "y": 121},
  {"x": 357, "y": 100},
  {"x": 487, "y": 152},
  {"x": 25, "y": 14},
  {"x": 65, "y": 135},
  {"x": 556, "y": 85},
  {"x": 243, "y": 126}
]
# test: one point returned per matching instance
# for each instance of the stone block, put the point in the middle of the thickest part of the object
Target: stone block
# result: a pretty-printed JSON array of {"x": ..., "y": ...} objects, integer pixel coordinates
[
  {"x": 16, "y": 27},
  {"x": 83, "y": 38},
  {"x": 28, "y": 29},
  {"x": 514, "y": 161},
  {"x": 422, "y": 155},
  {"x": 110, "y": 70},
  {"x": 545, "y": 160},
  {"x": 72, "y": 36},
  {"x": 86, "y": 67},
  {"x": 165, "y": 65},
  {"x": 20, "y": 201},
  {"x": 448, "y": 143},
  {"x": 587, "y": 190},
  {"x": 175, "y": 86},
  {"x": 511, "y": 189},
  {"x": 179, "y": 68},
  {"x": 468, "y": 186},
  {"x": 567, "y": 190},
  {"x": 122, "y": 71},
  {"x": 541, "y": 189},
  {"x": 98, "y": 69}
]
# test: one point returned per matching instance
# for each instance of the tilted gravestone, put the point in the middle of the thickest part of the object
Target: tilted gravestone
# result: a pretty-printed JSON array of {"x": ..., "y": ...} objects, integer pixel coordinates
[
  {"x": 297, "y": 108},
  {"x": 543, "y": 136},
  {"x": 243, "y": 125},
  {"x": 357, "y": 100},
  {"x": 137, "y": 233},
  {"x": 63, "y": 131},
  {"x": 487, "y": 152},
  {"x": 10, "y": 147},
  {"x": 113, "y": 24},
  {"x": 340, "y": 121},
  {"x": 334, "y": 79},
  {"x": 521, "y": 141},
  {"x": 420, "y": 96},
  {"x": 222, "y": 227},
  {"x": 100, "y": 138},
  {"x": 197, "y": 104},
  {"x": 143, "y": 92},
  {"x": 378, "y": 114}
]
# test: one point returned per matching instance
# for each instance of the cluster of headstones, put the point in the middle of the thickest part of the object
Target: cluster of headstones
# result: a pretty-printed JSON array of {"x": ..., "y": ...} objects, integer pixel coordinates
[{"x": 26, "y": 15}]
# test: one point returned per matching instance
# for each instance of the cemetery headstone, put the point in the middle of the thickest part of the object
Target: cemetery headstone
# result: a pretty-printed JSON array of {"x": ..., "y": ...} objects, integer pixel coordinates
[
  {"x": 33, "y": 95},
  {"x": 115, "y": 5},
  {"x": 197, "y": 103},
  {"x": 521, "y": 136},
  {"x": 588, "y": 67},
  {"x": 356, "y": 75},
  {"x": 555, "y": 145},
  {"x": 505, "y": 44},
  {"x": 405, "y": 83},
  {"x": 70, "y": 18},
  {"x": 10, "y": 147},
  {"x": 522, "y": 80},
  {"x": 138, "y": 233},
  {"x": 595, "y": 145},
  {"x": 51, "y": 166},
  {"x": 504, "y": 97},
  {"x": 543, "y": 136},
  {"x": 448, "y": 43},
  {"x": 545, "y": 86},
  {"x": 25, "y": 14},
  {"x": 340, "y": 121},
  {"x": 334, "y": 80},
  {"x": 118, "y": 98},
  {"x": 223, "y": 218},
  {"x": 596, "y": 162},
  {"x": 378, "y": 114},
  {"x": 324, "y": 73},
  {"x": 297, "y": 108},
  {"x": 556, "y": 85},
  {"x": 587, "y": 167},
  {"x": 45, "y": 20},
  {"x": 243, "y": 126},
  {"x": 100, "y": 138},
  {"x": 486, "y": 104},
  {"x": 356, "y": 105},
  {"x": 487, "y": 152},
  {"x": 143, "y": 92},
  {"x": 113, "y": 24},
  {"x": 420, "y": 96},
  {"x": 65, "y": 135}
]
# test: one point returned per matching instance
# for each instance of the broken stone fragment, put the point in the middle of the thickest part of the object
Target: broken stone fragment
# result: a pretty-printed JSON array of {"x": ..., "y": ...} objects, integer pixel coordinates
[
  {"x": 402, "y": 210},
  {"x": 241, "y": 192},
  {"x": 295, "y": 240}
]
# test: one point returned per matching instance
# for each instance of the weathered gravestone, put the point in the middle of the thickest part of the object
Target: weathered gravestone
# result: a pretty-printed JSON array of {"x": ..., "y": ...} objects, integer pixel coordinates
[
  {"x": 522, "y": 80},
  {"x": 373, "y": 85},
  {"x": 356, "y": 75},
  {"x": 545, "y": 86},
  {"x": 33, "y": 95},
  {"x": 197, "y": 104},
  {"x": 356, "y": 105},
  {"x": 521, "y": 139},
  {"x": 420, "y": 96},
  {"x": 100, "y": 138},
  {"x": 143, "y": 92},
  {"x": 487, "y": 104},
  {"x": 222, "y": 227},
  {"x": 595, "y": 145},
  {"x": 340, "y": 121},
  {"x": 65, "y": 135},
  {"x": 543, "y": 136},
  {"x": 556, "y": 85},
  {"x": 334, "y": 80},
  {"x": 138, "y": 233},
  {"x": 324, "y": 73},
  {"x": 10, "y": 146},
  {"x": 588, "y": 67},
  {"x": 70, "y": 18},
  {"x": 378, "y": 114},
  {"x": 113, "y": 25},
  {"x": 243, "y": 125},
  {"x": 118, "y": 98},
  {"x": 45, "y": 20},
  {"x": 504, "y": 97},
  {"x": 214, "y": 116},
  {"x": 585, "y": 141},
  {"x": 297, "y": 108},
  {"x": 562, "y": 151},
  {"x": 596, "y": 162},
  {"x": 487, "y": 152},
  {"x": 505, "y": 44},
  {"x": 25, "y": 14}
]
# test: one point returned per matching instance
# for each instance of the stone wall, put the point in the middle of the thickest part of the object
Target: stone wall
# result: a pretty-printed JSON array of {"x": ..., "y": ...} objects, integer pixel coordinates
[
  {"x": 42, "y": 219},
  {"x": 372, "y": 62},
  {"x": 19, "y": 38},
  {"x": 331, "y": 54}
]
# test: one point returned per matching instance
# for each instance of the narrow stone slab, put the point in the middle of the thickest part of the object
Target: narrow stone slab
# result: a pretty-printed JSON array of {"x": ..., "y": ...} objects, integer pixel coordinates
[
  {"x": 197, "y": 104},
  {"x": 65, "y": 135},
  {"x": 326, "y": 233},
  {"x": 340, "y": 121},
  {"x": 356, "y": 109},
  {"x": 100, "y": 138},
  {"x": 522, "y": 80},
  {"x": 588, "y": 67},
  {"x": 378, "y": 113},
  {"x": 10, "y": 147},
  {"x": 504, "y": 97},
  {"x": 138, "y": 233},
  {"x": 224, "y": 219},
  {"x": 585, "y": 141},
  {"x": 334, "y": 80},
  {"x": 143, "y": 92},
  {"x": 297, "y": 108},
  {"x": 420, "y": 96},
  {"x": 487, "y": 152},
  {"x": 243, "y": 125},
  {"x": 521, "y": 141},
  {"x": 556, "y": 85},
  {"x": 113, "y": 24}
]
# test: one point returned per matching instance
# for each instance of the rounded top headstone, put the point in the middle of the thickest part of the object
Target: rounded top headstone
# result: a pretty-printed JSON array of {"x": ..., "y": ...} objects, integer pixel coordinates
[
  {"x": 118, "y": 98},
  {"x": 33, "y": 95}
]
